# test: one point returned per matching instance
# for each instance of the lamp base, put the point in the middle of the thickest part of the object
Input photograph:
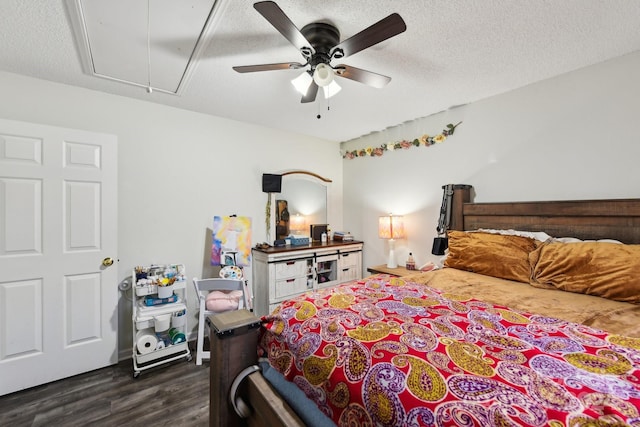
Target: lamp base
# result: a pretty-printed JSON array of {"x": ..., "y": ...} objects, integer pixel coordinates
[{"x": 391, "y": 261}]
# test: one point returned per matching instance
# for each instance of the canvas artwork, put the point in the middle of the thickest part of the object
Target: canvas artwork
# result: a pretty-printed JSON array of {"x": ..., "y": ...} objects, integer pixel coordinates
[{"x": 231, "y": 238}]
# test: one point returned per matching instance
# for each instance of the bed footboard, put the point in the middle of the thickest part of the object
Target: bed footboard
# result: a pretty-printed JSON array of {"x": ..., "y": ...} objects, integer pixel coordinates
[
  {"x": 234, "y": 342},
  {"x": 267, "y": 407},
  {"x": 233, "y": 339}
]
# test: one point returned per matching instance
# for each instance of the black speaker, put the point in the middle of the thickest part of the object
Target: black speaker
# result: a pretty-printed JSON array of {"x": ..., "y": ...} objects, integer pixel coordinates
[
  {"x": 440, "y": 244},
  {"x": 271, "y": 183}
]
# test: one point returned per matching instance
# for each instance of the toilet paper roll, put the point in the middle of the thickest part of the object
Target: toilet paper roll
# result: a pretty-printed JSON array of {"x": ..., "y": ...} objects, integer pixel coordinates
[{"x": 146, "y": 341}]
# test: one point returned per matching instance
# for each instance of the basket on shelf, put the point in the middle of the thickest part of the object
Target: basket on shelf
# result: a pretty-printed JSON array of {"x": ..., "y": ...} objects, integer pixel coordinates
[{"x": 299, "y": 241}]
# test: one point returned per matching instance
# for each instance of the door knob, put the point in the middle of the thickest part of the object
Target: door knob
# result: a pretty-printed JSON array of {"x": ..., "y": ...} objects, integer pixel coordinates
[{"x": 107, "y": 262}]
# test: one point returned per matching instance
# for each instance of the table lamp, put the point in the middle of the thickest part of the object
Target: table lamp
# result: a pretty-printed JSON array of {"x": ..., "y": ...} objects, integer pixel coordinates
[{"x": 391, "y": 227}]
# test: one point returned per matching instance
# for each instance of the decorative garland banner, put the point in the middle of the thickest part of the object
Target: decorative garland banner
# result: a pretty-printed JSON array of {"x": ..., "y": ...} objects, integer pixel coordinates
[{"x": 424, "y": 141}]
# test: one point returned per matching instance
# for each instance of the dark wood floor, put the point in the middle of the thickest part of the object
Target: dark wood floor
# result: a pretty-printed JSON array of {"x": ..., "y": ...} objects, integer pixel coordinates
[{"x": 175, "y": 394}]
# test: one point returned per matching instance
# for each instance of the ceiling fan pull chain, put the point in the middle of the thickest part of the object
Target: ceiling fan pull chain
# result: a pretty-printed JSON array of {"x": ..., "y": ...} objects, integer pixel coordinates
[{"x": 319, "y": 116}]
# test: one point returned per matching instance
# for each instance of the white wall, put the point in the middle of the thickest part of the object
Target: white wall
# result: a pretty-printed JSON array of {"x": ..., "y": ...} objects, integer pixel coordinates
[
  {"x": 576, "y": 136},
  {"x": 177, "y": 169}
]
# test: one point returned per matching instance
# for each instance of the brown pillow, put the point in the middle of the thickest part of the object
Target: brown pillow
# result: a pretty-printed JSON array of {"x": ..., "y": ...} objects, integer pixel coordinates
[
  {"x": 497, "y": 255},
  {"x": 609, "y": 270}
]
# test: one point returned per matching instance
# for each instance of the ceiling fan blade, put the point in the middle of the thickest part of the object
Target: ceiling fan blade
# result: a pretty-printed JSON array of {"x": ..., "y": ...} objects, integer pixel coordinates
[
  {"x": 268, "y": 67},
  {"x": 382, "y": 30},
  {"x": 311, "y": 93},
  {"x": 276, "y": 17},
  {"x": 363, "y": 76}
]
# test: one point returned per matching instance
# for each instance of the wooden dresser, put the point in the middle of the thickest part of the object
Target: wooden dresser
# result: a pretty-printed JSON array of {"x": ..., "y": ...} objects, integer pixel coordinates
[{"x": 282, "y": 272}]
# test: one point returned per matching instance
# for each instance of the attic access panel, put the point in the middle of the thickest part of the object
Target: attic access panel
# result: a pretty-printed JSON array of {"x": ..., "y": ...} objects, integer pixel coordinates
[{"x": 112, "y": 39}]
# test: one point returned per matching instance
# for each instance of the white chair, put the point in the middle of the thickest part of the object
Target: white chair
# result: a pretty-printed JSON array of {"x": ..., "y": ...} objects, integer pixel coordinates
[{"x": 203, "y": 288}]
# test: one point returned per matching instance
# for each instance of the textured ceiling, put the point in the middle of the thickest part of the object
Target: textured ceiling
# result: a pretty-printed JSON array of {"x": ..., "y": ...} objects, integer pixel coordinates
[{"x": 453, "y": 52}]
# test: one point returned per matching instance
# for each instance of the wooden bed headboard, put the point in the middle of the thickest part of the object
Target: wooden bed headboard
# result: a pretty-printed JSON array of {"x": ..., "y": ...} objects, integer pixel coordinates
[{"x": 617, "y": 219}]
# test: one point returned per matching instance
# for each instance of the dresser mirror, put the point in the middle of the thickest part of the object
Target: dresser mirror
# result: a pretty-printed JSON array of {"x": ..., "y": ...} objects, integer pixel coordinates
[{"x": 301, "y": 202}]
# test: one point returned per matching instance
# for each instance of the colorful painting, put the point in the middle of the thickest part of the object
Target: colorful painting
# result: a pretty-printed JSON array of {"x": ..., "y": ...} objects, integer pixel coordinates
[{"x": 231, "y": 234}]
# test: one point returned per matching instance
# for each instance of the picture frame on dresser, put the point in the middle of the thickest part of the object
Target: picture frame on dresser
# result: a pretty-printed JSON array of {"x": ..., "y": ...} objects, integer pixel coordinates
[{"x": 316, "y": 230}]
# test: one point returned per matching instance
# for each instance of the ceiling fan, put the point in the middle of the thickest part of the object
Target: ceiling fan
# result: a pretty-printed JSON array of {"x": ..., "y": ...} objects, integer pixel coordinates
[{"x": 319, "y": 43}]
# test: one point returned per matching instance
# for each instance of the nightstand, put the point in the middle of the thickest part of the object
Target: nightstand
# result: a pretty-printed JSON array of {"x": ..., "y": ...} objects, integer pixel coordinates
[{"x": 398, "y": 271}]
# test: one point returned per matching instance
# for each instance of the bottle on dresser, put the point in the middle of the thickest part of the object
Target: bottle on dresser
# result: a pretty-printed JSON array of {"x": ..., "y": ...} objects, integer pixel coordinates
[{"x": 411, "y": 262}]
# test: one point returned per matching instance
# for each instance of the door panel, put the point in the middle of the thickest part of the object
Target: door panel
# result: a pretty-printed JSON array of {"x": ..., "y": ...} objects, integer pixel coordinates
[
  {"x": 20, "y": 149},
  {"x": 58, "y": 221},
  {"x": 82, "y": 216},
  {"x": 21, "y": 307},
  {"x": 82, "y": 308},
  {"x": 21, "y": 220}
]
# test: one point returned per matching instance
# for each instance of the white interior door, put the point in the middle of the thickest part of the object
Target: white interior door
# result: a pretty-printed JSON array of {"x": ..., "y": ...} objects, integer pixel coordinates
[{"x": 58, "y": 222}]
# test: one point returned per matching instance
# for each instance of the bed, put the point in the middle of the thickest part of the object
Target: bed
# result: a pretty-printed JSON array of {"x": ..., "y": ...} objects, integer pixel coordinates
[{"x": 493, "y": 338}]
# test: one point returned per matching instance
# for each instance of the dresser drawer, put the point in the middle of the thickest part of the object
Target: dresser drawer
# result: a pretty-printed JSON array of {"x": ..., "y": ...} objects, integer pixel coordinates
[
  {"x": 349, "y": 259},
  {"x": 292, "y": 286},
  {"x": 348, "y": 273},
  {"x": 288, "y": 269}
]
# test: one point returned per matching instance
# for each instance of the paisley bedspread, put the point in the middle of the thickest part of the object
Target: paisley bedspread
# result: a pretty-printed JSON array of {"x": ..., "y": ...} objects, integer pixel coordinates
[{"x": 383, "y": 351}]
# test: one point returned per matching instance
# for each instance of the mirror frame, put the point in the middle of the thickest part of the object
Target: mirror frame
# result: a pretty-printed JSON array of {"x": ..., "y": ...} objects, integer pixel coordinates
[{"x": 311, "y": 176}]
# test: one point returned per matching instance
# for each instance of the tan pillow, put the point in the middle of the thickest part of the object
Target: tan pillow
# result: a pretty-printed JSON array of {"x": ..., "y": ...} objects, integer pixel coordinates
[
  {"x": 609, "y": 270},
  {"x": 497, "y": 255}
]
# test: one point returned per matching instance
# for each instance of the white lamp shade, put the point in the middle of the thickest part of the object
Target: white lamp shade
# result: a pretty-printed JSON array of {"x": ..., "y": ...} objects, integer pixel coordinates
[
  {"x": 391, "y": 227},
  {"x": 302, "y": 83},
  {"x": 323, "y": 75},
  {"x": 331, "y": 89}
]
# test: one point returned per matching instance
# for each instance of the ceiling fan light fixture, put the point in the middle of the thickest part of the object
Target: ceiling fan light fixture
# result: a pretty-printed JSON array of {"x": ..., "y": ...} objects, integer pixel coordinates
[
  {"x": 323, "y": 75},
  {"x": 319, "y": 43},
  {"x": 302, "y": 83},
  {"x": 331, "y": 89}
]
